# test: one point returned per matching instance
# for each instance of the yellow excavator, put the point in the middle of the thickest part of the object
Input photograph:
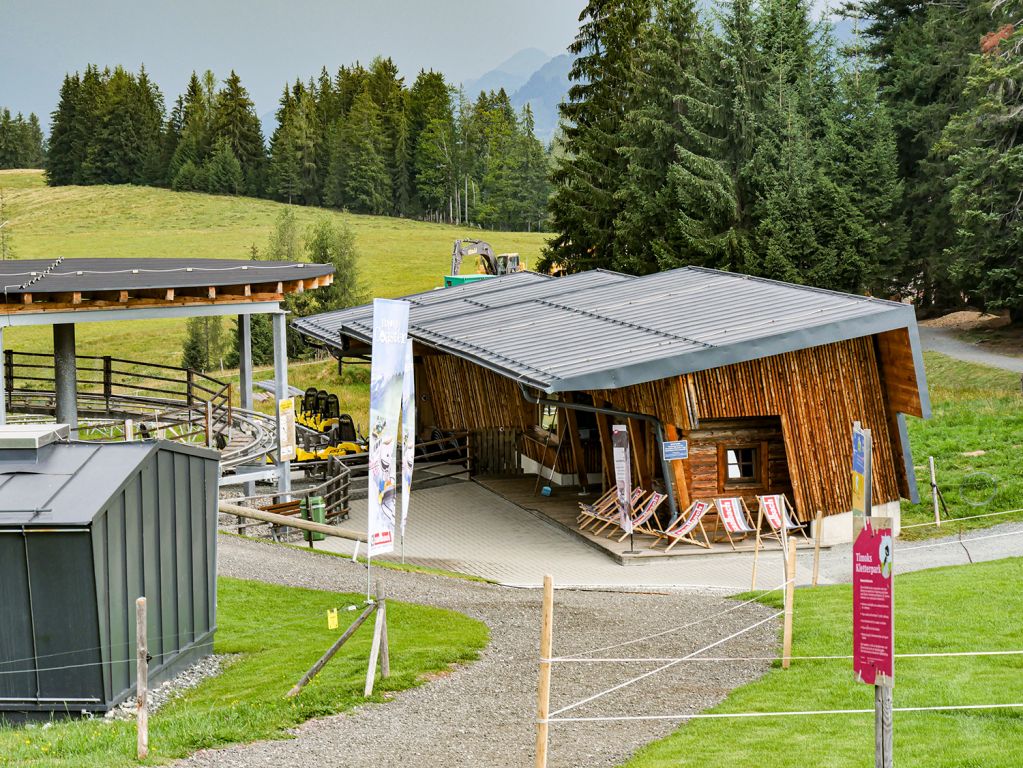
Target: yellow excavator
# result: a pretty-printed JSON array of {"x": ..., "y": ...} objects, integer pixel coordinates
[{"x": 487, "y": 263}]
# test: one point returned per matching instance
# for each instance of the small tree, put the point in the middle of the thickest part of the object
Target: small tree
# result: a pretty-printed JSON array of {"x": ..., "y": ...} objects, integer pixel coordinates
[
  {"x": 223, "y": 170},
  {"x": 6, "y": 251},
  {"x": 204, "y": 346},
  {"x": 190, "y": 178}
]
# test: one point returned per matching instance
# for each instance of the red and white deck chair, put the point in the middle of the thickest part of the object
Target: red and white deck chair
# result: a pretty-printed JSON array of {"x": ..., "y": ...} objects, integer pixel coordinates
[
  {"x": 684, "y": 529},
  {"x": 644, "y": 513},
  {"x": 588, "y": 511},
  {"x": 781, "y": 518},
  {"x": 612, "y": 515},
  {"x": 734, "y": 516}
]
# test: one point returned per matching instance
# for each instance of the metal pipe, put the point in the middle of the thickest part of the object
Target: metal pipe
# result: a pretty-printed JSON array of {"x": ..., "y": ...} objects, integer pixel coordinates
[
  {"x": 65, "y": 374},
  {"x": 280, "y": 331},
  {"x": 665, "y": 468}
]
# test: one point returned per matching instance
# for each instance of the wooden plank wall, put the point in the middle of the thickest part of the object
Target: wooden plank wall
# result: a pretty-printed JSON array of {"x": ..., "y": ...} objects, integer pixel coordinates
[{"x": 818, "y": 393}]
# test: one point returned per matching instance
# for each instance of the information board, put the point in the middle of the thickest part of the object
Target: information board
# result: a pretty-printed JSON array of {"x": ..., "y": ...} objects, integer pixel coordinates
[
  {"x": 873, "y": 603},
  {"x": 286, "y": 421},
  {"x": 673, "y": 450}
]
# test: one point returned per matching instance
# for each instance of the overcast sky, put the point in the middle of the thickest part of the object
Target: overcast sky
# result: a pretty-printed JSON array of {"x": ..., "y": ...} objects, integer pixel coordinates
[{"x": 266, "y": 42}]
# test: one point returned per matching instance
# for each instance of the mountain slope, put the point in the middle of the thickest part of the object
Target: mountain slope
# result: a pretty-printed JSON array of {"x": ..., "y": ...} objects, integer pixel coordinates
[
  {"x": 544, "y": 91},
  {"x": 510, "y": 74}
]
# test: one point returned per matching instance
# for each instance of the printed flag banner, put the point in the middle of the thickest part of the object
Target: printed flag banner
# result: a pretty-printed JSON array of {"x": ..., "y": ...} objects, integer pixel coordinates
[
  {"x": 623, "y": 474},
  {"x": 390, "y": 333},
  {"x": 408, "y": 434}
]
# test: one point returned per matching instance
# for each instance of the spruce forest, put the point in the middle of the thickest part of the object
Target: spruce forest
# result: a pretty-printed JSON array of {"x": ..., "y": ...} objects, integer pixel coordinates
[{"x": 745, "y": 136}]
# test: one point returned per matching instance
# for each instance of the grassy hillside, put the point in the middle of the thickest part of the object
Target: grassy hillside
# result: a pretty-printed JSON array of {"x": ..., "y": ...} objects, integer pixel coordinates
[{"x": 399, "y": 256}]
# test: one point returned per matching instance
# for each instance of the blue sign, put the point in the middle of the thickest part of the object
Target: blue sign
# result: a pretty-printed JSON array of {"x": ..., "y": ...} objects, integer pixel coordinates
[
  {"x": 675, "y": 449},
  {"x": 859, "y": 464}
]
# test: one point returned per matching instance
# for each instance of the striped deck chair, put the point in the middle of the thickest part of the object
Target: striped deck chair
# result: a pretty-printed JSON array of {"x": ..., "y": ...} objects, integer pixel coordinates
[
  {"x": 776, "y": 509},
  {"x": 613, "y": 516},
  {"x": 685, "y": 527},
  {"x": 644, "y": 513},
  {"x": 586, "y": 511},
  {"x": 734, "y": 517}
]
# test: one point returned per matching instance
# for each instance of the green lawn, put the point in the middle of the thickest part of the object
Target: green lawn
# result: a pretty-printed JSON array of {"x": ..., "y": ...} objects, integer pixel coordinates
[
  {"x": 280, "y": 632},
  {"x": 974, "y": 607},
  {"x": 975, "y": 408},
  {"x": 398, "y": 256}
]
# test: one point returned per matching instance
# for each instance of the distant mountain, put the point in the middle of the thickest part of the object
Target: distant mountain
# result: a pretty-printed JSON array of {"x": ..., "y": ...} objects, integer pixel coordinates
[
  {"x": 510, "y": 74},
  {"x": 545, "y": 89}
]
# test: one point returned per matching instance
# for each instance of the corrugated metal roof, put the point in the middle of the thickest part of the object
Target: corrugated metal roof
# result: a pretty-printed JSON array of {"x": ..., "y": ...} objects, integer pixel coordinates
[
  {"x": 603, "y": 330},
  {"x": 63, "y": 484},
  {"x": 113, "y": 274}
]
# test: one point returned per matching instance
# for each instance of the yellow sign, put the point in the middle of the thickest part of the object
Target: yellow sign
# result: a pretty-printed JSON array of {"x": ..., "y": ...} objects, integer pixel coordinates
[
  {"x": 332, "y": 618},
  {"x": 859, "y": 496},
  {"x": 286, "y": 422}
]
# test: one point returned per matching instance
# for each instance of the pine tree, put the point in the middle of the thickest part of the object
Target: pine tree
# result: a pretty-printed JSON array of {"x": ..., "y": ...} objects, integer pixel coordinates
[
  {"x": 223, "y": 171},
  {"x": 434, "y": 164},
  {"x": 194, "y": 139},
  {"x": 532, "y": 169},
  {"x": 385, "y": 87},
  {"x": 204, "y": 347},
  {"x": 358, "y": 168},
  {"x": 234, "y": 120},
  {"x": 332, "y": 241},
  {"x": 585, "y": 205},
  {"x": 61, "y": 162}
]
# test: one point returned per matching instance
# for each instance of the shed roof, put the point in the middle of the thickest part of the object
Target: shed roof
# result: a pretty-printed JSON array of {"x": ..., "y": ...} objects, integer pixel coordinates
[
  {"x": 603, "y": 330},
  {"x": 67, "y": 484}
]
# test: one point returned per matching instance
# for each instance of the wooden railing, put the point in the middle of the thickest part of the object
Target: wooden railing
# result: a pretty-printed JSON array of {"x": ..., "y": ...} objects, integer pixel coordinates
[{"x": 179, "y": 403}]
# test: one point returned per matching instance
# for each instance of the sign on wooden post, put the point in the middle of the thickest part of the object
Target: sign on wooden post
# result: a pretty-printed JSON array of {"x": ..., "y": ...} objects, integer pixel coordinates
[{"x": 286, "y": 411}]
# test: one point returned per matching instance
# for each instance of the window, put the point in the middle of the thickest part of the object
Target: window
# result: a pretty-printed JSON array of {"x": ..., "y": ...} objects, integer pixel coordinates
[{"x": 741, "y": 466}]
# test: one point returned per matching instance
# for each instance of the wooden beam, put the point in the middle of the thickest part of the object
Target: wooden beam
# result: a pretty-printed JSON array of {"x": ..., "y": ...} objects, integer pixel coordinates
[
  {"x": 211, "y": 292},
  {"x": 26, "y": 298},
  {"x": 572, "y": 424},
  {"x": 637, "y": 438},
  {"x": 606, "y": 448},
  {"x": 678, "y": 472}
]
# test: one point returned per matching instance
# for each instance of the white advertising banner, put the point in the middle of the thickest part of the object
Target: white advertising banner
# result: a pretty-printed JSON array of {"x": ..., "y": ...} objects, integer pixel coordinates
[
  {"x": 408, "y": 434},
  {"x": 623, "y": 473},
  {"x": 390, "y": 333}
]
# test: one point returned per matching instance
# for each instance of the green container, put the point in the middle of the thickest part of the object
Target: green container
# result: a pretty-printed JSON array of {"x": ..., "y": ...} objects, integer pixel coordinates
[
  {"x": 451, "y": 280},
  {"x": 314, "y": 510}
]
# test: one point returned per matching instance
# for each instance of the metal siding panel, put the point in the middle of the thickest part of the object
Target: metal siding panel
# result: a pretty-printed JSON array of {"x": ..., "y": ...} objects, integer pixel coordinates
[
  {"x": 66, "y": 628},
  {"x": 132, "y": 563},
  {"x": 16, "y": 628},
  {"x": 212, "y": 469},
  {"x": 168, "y": 554},
  {"x": 150, "y": 516},
  {"x": 99, "y": 569},
  {"x": 121, "y": 632},
  {"x": 197, "y": 551},
  {"x": 183, "y": 550}
]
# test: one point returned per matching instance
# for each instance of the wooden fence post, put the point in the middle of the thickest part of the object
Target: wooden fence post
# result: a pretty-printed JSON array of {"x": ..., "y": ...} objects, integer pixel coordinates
[
  {"x": 297, "y": 688},
  {"x": 374, "y": 651},
  {"x": 790, "y": 589},
  {"x": 543, "y": 707},
  {"x": 385, "y": 648},
  {"x": 883, "y": 726},
  {"x": 142, "y": 680},
  {"x": 934, "y": 493},
  {"x": 817, "y": 545}
]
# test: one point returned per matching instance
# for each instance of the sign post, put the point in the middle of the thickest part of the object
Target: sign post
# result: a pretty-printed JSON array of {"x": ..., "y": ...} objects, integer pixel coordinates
[
  {"x": 623, "y": 479},
  {"x": 873, "y": 597}
]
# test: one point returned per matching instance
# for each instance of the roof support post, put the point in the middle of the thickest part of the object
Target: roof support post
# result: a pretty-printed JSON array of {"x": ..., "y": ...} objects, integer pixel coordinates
[
  {"x": 3, "y": 380},
  {"x": 669, "y": 483},
  {"x": 65, "y": 375},
  {"x": 280, "y": 330},
  {"x": 245, "y": 375}
]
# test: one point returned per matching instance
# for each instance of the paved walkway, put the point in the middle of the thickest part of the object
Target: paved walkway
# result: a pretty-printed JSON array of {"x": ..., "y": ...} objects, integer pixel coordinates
[
  {"x": 466, "y": 528},
  {"x": 945, "y": 341}
]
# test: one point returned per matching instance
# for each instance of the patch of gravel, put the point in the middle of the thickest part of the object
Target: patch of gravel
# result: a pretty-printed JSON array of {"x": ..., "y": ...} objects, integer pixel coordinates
[
  {"x": 209, "y": 666},
  {"x": 483, "y": 714}
]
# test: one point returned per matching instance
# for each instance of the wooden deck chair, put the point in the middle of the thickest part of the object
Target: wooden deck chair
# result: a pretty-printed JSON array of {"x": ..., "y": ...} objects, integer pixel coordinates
[
  {"x": 776, "y": 509},
  {"x": 614, "y": 516},
  {"x": 604, "y": 509},
  {"x": 685, "y": 527},
  {"x": 734, "y": 517},
  {"x": 586, "y": 510},
  {"x": 645, "y": 513}
]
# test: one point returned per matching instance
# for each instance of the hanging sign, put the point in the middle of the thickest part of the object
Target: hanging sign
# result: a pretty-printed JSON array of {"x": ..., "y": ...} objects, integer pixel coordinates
[
  {"x": 623, "y": 474},
  {"x": 390, "y": 332},
  {"x": 408, "y": 434},
  {"x": 674, "y": 450},
  {"x": 873, "y": 603},
  {"x": 286, "y": 426}
]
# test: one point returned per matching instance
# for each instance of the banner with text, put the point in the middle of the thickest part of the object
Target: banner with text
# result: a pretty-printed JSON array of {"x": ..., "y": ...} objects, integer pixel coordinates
[
  {"x": 623, "y": 474},
  {"x": 390, "y": 333},
  {"x": 408, "y": 434}
]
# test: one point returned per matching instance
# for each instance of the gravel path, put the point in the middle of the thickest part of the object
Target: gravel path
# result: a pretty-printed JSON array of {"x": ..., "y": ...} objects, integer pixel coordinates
[
  {"x": 482, "y": 713},
  {"x": 946, "y": 342}
]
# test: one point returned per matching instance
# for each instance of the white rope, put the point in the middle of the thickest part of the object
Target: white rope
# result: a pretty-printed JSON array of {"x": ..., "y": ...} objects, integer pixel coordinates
[
  {"x": 658, "y": 659},
  {"x": 666, "y": 666},
  {"x": 801, "y": 713},
  {"x": 960, "y": 541},
  {"x": 681, "y": 627},
  {"x": 953, "y": 520}
]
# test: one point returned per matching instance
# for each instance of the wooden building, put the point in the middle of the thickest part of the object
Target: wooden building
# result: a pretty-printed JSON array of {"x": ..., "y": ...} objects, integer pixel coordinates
[{"x": 764, "y": 379}]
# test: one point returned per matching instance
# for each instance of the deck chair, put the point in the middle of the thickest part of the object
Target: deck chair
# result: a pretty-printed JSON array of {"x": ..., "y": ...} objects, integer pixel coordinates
[
  {"x": 776, "y": 509},
  {"x": 613, "y": 515},
  {"x": 586, "y": 510},
  {"x": 646, "y": 512},
  {"x": 685, "y": 527},
  {"x": 734, "y": 517}
]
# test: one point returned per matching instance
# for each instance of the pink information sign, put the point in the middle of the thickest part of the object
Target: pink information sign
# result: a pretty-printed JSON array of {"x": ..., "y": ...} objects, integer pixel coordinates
[{"x": 873, "y": 606}]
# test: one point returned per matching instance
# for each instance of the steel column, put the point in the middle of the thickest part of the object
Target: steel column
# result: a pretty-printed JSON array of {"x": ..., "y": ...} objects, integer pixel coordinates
[
  {"x": 245, "y": 374},
  {"x": 281, "y": 386},
  {"x": 65, "y": 375}
]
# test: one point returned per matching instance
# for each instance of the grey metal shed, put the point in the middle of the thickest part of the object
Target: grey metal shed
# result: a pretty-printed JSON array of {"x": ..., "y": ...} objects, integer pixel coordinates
[{"x": 85, "y": 529}]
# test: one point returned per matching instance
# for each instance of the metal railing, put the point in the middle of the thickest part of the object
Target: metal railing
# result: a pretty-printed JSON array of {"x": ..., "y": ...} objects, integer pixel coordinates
[{"x": 178, "y": 403}]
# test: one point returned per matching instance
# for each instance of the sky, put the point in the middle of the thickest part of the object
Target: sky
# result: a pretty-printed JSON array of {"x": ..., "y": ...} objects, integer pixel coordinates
[{"x": 267, "y": 43}]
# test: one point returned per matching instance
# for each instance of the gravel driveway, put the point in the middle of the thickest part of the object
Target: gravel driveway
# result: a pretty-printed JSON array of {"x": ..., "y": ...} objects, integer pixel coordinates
[{"x": 482, "y": 714}]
